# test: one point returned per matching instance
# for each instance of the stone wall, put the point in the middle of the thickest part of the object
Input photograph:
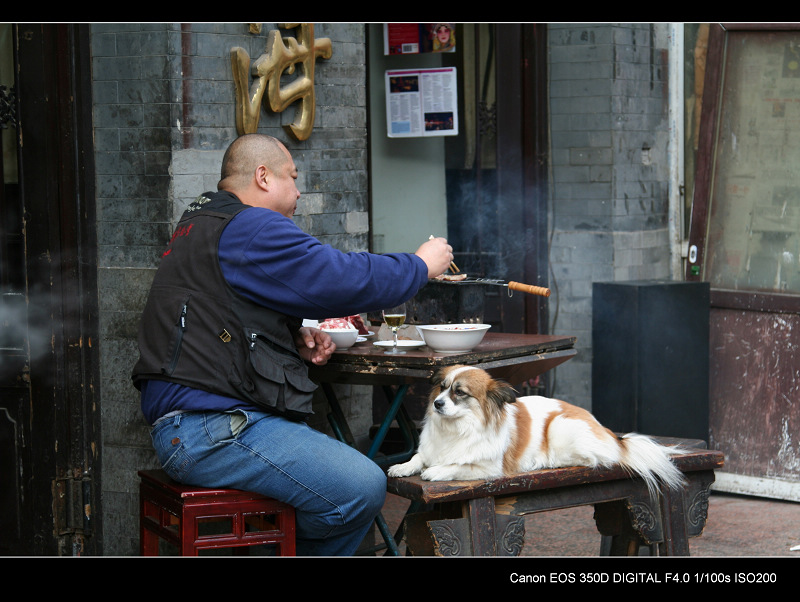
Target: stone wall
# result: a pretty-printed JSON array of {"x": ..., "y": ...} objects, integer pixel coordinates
[
  {"x": 609, "y": 212},
  {"x": 163, "y": 115}
]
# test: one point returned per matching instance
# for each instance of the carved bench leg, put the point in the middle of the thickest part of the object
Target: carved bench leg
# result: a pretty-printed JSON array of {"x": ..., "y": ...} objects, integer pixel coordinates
[
  {"x": 619, "y": 537},
  {"x": 673, "y": 512},
  {"x": 685, "y": 513},
  {"x": 627, "y": 524},
  {"x": 666, "y": 528},
  {"x": 698, "y": 491},
  {"x": 474, "y": 530},
  {"x": 442, "y": 531}
]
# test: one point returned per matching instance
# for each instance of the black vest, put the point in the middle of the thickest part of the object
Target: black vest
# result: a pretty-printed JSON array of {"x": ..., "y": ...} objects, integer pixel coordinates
[{"x": 197, "y": 331}]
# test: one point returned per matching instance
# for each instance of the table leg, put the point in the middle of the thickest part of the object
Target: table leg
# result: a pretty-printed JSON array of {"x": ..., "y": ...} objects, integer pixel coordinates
[
  {"x": 410, "y": 434},
  {"x": 341, "y": 429},
  {"x": 342, "y": 432},
  {"x": 395, "y": 407}
]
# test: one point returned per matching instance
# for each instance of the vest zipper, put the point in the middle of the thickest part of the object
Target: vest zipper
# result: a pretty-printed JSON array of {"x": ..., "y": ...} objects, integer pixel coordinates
[{"x": 178, "y": 341}]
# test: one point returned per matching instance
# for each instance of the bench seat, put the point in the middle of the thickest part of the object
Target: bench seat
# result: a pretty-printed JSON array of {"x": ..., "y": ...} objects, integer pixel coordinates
[{"x": 485, "y": 518}]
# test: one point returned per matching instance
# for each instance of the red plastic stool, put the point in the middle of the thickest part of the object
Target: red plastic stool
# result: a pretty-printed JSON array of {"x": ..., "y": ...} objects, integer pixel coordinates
[{"x": 176, "y": 512}]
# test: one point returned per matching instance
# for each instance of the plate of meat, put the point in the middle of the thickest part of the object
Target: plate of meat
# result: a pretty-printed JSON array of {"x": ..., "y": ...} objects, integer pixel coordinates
[{"x": 346, "y": 323}]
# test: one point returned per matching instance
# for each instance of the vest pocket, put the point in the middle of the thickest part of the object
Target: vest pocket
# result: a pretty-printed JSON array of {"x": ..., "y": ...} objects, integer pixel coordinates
[
  {"x": 177, "y": 338},
  {"x": 277, "y": 379}
]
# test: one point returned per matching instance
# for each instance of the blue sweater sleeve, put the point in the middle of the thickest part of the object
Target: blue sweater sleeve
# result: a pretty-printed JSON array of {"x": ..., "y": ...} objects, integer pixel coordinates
[{"x": 267, "y": 258}]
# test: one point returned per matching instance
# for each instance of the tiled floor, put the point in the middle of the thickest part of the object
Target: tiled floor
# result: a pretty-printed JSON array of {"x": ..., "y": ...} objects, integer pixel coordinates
[{"x": 737, "y": 526}]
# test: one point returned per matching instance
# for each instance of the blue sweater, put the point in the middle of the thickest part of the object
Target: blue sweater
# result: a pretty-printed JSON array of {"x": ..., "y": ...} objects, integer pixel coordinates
[{"x": 268, "y": 259}]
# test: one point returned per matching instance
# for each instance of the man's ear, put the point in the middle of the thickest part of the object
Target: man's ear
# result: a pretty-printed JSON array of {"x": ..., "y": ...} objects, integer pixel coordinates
[{"x": 262, "y": 177}]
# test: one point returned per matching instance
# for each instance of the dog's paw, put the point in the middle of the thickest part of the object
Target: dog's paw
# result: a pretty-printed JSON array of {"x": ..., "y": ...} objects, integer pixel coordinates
[
  {"x": 401, "y": 470},
  {"x": 456, "y": 472},
  {"x": 438, "y": 473},
  {"x": 413, "y": 466}
]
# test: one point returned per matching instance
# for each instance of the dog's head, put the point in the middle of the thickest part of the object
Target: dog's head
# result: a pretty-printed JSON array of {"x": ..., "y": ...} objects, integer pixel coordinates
[{"x": 461, "y": 390}]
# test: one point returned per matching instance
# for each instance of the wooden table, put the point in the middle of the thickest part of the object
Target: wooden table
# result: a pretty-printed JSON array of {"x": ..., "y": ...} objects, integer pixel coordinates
[{"x": 513, "y": 357}]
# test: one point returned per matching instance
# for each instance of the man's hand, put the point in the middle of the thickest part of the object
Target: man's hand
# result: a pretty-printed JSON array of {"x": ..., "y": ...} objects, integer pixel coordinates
[
  {"x": 314, "y": 345},
  {"x": 437, "y": 255}
]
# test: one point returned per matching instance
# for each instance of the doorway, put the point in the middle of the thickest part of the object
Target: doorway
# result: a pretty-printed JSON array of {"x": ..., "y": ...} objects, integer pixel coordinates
[{"x": 49, "y": 440}]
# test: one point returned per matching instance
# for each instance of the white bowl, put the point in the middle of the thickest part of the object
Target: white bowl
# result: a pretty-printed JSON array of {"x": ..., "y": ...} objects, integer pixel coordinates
[
  {"x": 343, "y": 337},
  {"x": 453, "y": 338}
]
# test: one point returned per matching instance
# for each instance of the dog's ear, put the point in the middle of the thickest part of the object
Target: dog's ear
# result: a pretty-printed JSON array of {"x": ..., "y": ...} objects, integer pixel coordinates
[
  {"x": 500, "y": 392},
  {"x": 437, "y": 377}
]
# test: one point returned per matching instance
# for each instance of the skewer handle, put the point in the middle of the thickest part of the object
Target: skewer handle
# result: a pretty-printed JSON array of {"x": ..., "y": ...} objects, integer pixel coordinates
[{"x": 529, "y": 288}]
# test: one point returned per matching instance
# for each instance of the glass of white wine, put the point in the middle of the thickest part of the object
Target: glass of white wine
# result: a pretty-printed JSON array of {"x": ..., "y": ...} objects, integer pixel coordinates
[{"x": 394, "y": 318}]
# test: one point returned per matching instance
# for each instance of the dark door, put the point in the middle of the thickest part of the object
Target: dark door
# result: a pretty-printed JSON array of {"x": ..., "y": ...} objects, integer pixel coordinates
[
  {"x": 49, "y": 444},
  {"x": 14, "y": 383},
  {"x": 497, "y": 187}
]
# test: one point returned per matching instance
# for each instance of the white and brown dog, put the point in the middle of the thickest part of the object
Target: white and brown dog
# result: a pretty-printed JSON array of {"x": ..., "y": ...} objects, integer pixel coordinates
[{"x": 476, "y": 428}]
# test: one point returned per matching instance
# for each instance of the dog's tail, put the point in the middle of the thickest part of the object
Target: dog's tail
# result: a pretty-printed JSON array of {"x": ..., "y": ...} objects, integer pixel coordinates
[{"x": 650, "y": 460}]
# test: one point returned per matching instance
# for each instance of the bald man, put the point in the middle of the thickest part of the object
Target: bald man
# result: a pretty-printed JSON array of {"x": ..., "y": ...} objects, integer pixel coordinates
[{"x": 222, "y": 368}]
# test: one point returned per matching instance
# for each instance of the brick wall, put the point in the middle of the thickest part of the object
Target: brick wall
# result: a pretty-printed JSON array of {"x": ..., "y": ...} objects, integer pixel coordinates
[
  {"x": 163, "y": 115},
  {"x": 608, "y": 117}
]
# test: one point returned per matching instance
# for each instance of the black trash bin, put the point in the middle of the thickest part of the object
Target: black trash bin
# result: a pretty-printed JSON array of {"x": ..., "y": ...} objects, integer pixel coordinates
[{"x": 650, "y": 357}]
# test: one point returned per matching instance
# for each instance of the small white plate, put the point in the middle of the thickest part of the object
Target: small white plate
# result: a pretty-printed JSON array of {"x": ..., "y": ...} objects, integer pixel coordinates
[
  {"x": 400, "y": 343},
  {"x": 368, "y": 335},
  {"x": 360, "y": 339}
]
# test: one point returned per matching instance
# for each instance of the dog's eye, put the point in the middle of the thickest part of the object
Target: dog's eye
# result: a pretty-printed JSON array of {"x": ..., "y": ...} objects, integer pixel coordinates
[{"x": 460, "y": 392}]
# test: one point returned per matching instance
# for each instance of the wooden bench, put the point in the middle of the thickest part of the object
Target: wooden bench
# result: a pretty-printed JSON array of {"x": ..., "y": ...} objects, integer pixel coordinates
[{"x": 485, "y": 518}]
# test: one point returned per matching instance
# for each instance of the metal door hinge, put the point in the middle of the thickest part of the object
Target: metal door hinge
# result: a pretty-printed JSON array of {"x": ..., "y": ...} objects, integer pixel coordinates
[{"x": 72, "y": 505}]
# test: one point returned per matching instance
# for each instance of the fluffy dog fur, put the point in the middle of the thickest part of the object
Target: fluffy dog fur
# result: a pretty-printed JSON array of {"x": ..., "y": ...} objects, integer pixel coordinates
[{"x": 476, "y": 428}]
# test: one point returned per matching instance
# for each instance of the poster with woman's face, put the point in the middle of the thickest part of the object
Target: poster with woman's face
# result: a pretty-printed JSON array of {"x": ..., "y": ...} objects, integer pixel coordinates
[{"x": 419, "y": 38}]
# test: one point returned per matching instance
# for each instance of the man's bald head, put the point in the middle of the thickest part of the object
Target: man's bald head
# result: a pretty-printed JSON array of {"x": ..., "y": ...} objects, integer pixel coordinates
[
  {"x": 260, "y": 171},
  {"x": 245, "y": 155}
]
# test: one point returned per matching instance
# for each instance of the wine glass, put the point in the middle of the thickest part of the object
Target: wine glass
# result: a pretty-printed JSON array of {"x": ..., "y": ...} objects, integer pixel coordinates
[{"x": 394, "y": 318}]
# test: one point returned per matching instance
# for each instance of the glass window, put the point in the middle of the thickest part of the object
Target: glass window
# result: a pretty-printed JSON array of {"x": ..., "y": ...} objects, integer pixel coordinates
[{"x": 754, "y": 214}]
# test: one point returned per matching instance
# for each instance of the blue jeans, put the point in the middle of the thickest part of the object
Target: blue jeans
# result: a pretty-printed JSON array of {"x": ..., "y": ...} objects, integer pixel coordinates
[{"x": 336, "y": 491}]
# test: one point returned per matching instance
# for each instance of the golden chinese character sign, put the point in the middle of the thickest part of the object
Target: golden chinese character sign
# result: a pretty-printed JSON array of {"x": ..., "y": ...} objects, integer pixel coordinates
[{"x": 282, "y": 55}]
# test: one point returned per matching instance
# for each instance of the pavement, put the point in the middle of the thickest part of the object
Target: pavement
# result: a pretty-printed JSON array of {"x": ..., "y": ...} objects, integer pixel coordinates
[{"x": 737, "y": 526}]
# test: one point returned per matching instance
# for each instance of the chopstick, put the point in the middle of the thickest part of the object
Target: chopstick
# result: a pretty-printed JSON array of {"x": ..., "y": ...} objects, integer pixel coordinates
[{"x": 453, "y": 267}]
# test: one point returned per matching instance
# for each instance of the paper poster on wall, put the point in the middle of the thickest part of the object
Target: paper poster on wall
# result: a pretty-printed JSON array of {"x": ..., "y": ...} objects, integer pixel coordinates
[
  {"x": 418, "y": 38},
  {"x": 421, "y": 102}
]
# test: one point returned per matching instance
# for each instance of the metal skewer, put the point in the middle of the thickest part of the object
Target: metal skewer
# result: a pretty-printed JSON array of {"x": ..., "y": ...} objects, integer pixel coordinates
[{"x": 512, "y": 286}]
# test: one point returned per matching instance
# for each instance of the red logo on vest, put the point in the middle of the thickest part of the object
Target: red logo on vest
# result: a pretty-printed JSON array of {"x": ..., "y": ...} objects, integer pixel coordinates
[{"x": 181, "y": 231}]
